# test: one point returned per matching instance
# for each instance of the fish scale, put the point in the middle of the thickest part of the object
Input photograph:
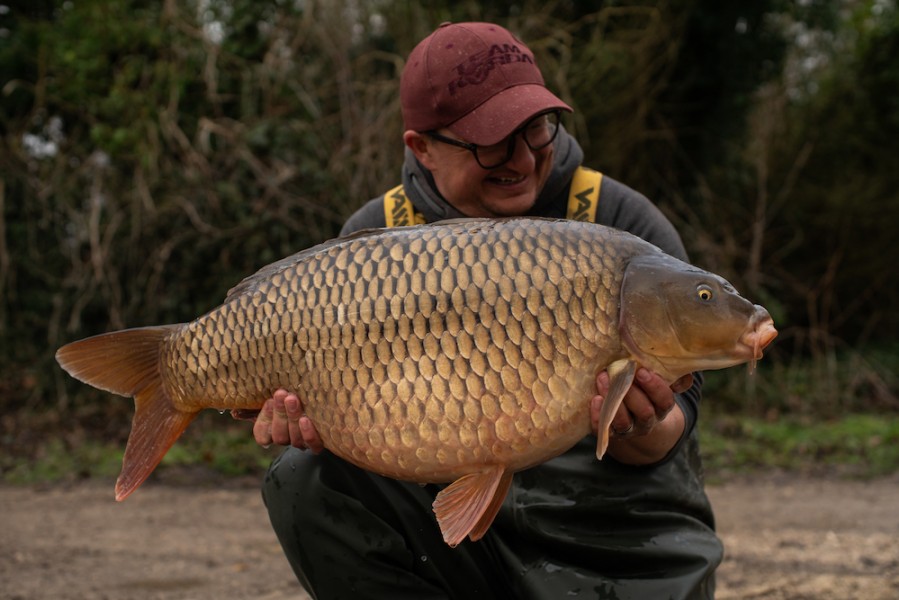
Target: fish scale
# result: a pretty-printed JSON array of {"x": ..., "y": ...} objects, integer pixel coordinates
[{"x": 457, "y": 352}]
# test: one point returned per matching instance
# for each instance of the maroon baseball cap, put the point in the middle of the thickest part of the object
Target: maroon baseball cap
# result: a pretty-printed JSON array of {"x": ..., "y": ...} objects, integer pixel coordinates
[{"x": 476, "y": 79}]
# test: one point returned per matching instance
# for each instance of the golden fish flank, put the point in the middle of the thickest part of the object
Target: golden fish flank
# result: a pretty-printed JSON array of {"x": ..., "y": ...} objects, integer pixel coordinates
[
  {"x": 462, "y": 351},
  {"x": 412, "y": 330}
]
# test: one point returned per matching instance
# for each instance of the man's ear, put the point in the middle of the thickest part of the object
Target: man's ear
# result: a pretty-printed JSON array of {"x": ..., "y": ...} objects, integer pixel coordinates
[{"x": 421, "y": 147}]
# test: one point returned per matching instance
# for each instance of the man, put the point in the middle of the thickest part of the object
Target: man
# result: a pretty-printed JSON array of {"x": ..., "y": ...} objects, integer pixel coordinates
[{"x": 483, "y": 140}]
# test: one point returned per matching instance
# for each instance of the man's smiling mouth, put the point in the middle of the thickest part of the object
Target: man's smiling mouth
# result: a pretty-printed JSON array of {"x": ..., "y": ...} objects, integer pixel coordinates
[{"x": 508, "y": 180}]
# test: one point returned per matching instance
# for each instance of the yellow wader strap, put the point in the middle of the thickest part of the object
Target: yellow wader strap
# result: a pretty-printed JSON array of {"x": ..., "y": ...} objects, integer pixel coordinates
[
  {"x": 584, "y": 195},
  {"x": 583, "y": 199},
  {"x": 398, "y": 209}
]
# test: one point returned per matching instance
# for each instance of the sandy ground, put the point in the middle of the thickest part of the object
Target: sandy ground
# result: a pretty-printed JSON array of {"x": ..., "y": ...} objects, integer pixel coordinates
[{"x": 786, "y": 538}]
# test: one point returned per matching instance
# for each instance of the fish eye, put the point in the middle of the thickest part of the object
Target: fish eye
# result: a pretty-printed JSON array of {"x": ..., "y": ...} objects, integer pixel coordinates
[{"x": 704, "y": 293}]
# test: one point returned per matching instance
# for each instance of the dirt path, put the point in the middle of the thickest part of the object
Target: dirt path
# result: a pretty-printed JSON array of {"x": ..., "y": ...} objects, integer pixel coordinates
[
  {"x": 786, "y": 538},
  {"x": 809, "y": 539}
]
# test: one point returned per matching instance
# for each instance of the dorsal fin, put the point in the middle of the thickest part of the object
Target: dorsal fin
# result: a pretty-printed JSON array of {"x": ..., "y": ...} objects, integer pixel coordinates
[{"x": 268, "y": 271}]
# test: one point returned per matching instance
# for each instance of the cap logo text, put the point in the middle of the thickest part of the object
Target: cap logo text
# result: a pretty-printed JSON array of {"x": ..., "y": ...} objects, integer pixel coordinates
[{"x": 475, "y": 70}]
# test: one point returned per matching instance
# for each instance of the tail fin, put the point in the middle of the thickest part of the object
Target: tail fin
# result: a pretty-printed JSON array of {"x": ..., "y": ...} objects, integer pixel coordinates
[{"x": 127, "y": 363}]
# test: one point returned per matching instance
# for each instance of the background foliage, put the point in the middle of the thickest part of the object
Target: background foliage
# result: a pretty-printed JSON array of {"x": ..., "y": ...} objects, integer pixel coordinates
[{"x": 152, "y": 154}]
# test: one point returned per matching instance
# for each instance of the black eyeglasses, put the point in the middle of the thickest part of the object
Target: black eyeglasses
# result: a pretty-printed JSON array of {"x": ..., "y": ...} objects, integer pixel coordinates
[{"x": 538, "y": 133}]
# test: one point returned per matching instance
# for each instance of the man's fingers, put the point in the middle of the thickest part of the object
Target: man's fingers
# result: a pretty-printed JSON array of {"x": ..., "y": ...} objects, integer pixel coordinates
[
  {"x": 280, "y": 423},
  {"x": 658, "y": 395},
  {"x": 310, "y": 435},
  {"x": 294, "y": 414},
  {"x": 283, "y": 421},
  {"x": 262, "y": 427},
  {"x": 622, "y": 424},
  {"x": 646, "y": 403}
]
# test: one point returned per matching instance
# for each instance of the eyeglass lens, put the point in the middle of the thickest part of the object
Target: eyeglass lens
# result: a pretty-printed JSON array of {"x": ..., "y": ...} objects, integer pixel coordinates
[{"x": 538, "y": 133}]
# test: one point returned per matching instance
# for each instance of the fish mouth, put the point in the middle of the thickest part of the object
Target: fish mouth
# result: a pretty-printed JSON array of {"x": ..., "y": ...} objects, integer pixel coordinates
[{"x": 760, "y": 334}]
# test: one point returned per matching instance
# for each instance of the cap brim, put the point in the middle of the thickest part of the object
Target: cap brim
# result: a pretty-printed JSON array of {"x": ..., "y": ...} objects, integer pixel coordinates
[{"x": 505, "y": 112}]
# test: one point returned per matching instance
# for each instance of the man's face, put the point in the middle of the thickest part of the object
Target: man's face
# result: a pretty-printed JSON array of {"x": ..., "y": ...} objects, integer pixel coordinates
[{"x": 505, "y": 191}]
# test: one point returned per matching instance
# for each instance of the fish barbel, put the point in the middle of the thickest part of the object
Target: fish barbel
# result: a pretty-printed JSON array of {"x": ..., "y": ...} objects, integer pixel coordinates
[{"x": 457, "y": 352}]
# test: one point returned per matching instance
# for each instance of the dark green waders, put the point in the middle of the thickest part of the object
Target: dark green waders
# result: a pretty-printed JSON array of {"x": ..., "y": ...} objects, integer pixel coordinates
[{"x": 571, "y": 528}]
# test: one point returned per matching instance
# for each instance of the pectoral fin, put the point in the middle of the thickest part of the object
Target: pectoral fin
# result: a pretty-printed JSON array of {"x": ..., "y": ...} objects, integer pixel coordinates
[
  {"x": 621, "y": 375},
  {"x": 468, "y": 505}
]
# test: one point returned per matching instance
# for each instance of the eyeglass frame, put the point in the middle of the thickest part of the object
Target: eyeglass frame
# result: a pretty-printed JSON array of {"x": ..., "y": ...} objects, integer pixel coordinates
[{"x": 473, "y": 148}]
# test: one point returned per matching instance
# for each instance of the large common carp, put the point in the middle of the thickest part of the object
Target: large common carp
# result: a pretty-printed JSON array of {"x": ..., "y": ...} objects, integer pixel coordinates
[{"x": 456, "y": 352}]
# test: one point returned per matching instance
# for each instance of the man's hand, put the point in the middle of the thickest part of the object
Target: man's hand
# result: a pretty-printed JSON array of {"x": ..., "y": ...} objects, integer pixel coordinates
[
  {"x": 648, "y": 423},
  {"x": 283, "y": 421}
]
